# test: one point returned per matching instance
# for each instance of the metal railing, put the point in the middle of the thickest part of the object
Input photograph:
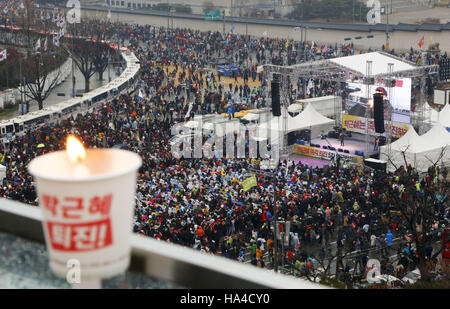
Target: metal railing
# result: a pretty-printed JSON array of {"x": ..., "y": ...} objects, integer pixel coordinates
[{"x": 161, "y": 260}]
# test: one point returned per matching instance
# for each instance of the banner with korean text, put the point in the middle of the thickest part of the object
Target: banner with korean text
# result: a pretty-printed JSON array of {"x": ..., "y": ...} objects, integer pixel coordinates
[
  {"x": 325, "y": 154},
  {"x": 358, "y": 124}
]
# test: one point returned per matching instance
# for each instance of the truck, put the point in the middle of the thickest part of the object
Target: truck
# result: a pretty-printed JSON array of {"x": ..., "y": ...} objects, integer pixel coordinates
[{"x": 324, "y": 105}]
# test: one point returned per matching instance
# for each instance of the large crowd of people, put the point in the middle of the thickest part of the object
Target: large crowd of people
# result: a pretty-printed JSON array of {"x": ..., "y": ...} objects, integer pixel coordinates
[{"x": 200, "y": 203}]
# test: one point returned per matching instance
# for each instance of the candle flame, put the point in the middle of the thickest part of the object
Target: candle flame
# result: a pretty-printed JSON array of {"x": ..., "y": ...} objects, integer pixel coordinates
[{"x": 75, "y": 149}]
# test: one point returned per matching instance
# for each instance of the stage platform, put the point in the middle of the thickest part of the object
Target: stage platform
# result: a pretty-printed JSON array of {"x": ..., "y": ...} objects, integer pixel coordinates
[
  {"x": 310, "y": 161},
  {"x": 355, "y": 143}
]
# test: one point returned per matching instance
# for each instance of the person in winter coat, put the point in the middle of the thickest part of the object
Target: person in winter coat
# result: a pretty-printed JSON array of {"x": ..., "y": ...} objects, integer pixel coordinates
[{"x": 388, "y": 239}]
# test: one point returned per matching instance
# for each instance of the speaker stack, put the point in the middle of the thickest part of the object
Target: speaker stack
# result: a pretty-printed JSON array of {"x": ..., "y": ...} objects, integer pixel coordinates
[
  {"x": 276, "y": 108},
  {"x": 378, "y": 112}
]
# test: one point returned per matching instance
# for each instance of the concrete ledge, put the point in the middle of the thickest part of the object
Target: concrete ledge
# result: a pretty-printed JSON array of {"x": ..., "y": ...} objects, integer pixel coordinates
[{"x": 162, "y": 260}]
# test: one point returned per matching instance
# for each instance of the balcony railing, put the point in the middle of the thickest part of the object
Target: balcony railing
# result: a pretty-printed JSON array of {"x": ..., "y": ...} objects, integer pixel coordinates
[{"x": 161, "y": 260}]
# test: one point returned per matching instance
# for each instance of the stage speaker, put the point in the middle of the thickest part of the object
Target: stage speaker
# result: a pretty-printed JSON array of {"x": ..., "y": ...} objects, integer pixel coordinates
[
  {"x": 276, "y": 108},
  {"x": 378, "y": 113},
  {"x": 376, "y": 164},
  {"x": 292, "y": 138}
]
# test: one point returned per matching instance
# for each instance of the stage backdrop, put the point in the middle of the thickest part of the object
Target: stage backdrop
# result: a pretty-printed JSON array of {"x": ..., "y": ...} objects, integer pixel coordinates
[{"x": 358, "y": 124}]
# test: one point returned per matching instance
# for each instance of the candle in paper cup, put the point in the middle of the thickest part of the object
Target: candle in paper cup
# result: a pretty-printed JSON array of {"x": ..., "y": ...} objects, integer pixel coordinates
[
  {"x": 76, "y": 154},
  {"x": 88, "y": 206}
]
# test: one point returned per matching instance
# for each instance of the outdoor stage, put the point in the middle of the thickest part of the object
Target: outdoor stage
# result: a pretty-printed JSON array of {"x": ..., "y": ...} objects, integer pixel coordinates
[{"x": 353, "y": 145}]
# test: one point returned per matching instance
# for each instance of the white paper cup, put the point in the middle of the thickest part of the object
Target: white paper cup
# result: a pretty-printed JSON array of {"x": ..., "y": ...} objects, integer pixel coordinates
[{"x": 88, "y": 218}]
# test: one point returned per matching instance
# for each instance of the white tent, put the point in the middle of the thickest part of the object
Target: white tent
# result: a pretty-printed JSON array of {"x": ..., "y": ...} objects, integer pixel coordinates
[
  {"x": 306, "y": 119},
  {"x": 310, "y": 118},
  {"x": 434, "y": 114},
  {"x": 295, "y": 108},
  {"x": 420, "y": 151},
  {"x": 444, "y": 116},
  {"x": 2, "y": 172},
  {"x": 192, "y": 124},
  {"x": 437, "y": 137},
  {"x": 406, "y": 142},
  {"x": 251, "y": 117}
]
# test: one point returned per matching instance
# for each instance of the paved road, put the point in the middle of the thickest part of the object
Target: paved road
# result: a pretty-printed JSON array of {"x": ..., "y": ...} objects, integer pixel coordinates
[
  {"x": 66, "y": 88},
  {"x": 412, "y": 17}
]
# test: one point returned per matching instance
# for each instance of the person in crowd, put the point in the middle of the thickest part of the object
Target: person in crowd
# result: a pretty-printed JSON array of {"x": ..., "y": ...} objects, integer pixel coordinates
[{"x": 200, "y": 202}]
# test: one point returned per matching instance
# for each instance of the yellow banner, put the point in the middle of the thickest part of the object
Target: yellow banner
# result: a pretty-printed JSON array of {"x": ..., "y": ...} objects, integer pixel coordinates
[
  {"x": 358, "y": 124},
  {"x": 325, "y": 154}
]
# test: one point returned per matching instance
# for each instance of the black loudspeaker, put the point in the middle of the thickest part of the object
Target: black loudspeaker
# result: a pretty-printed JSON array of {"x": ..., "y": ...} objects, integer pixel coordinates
[
  {"x": 378, "y": 113},
  {"x": 276, "y": 108}
]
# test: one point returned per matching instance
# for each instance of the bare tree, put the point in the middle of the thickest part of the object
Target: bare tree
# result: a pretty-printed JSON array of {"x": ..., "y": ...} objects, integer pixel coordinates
[
  {"x": 89, "y": 49},
  {"x": 40, "y": 69},
  {"x": 415, "y": 203},
  {"x": 41, "y": 75}
]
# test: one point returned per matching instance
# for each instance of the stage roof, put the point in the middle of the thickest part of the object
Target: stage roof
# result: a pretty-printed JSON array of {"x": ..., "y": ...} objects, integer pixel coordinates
[
  {"x": 379, "y": 63},
  {"x": 348, "y": 68}
]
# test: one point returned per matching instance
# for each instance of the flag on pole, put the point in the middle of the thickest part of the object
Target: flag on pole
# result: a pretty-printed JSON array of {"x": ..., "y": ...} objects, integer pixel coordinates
[
  {"x": 233, "y": 27},
  {"x": 422, "y": 41},
  {"x": 399, "y": 83},
  {"x": 21, "y": 5},
  {"x": 287, "y": 43},
  {"x": 109, "y": 15},
  {"x": 265, "y": 33},
  {"x": 56, "y": 40},
  {"x": 309, "y": 87},
  {"x": 189, "y": 110},
  {"x": 38, "y": 45},
  {"x": 431, "y": 39},
  {"x": 3, "y": 55},
  {"x": 249, "y": 183},
  {"x": 140, "y": 95},
  {"x": 61, "y": 22}
]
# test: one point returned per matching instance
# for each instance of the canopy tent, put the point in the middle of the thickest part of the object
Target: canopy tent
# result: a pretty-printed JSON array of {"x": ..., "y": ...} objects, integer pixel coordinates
[
  {"x": 2, "y": 172},
  {"x": 295, "y": 108},
  {"x": 250, "y": 117},
  {"x": 433, "y": 114},
  {"x": 437, "y": 137},
  {"x": 192, "y": 124},
  {"x": 305, "y": 120},
  {"x": 444, "y": 116},
  {"x": 310, "y": 117},
  {"x": 406, "y": 142},
  {"x": 420, "y": 152}
]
